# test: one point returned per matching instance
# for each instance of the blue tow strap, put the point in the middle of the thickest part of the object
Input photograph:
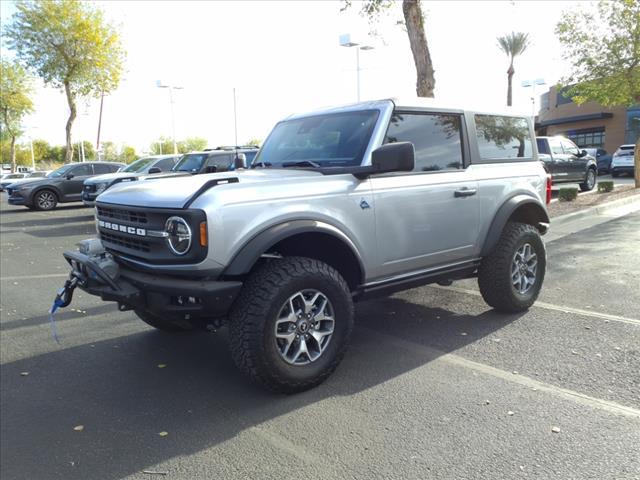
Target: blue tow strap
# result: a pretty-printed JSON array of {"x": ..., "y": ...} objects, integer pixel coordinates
[{"x": 54, "y": 331}]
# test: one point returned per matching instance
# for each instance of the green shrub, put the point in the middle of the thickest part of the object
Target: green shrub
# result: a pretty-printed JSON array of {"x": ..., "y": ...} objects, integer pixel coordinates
[
  {"x": 567, "y": 194},
  {"x": 605, "y": 186}
]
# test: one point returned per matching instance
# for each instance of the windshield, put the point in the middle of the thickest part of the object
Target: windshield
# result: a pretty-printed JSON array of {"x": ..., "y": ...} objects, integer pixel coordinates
[
  {"x": 332, "y": 140},
  {"x": 190, "y": 163},
  {"x": 61, "y": 171},
  {"x": 139, "y": 165}
]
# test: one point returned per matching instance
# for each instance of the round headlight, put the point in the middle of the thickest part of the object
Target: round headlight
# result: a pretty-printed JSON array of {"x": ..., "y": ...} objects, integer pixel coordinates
[
  {"x": 179, "y": 235},
  {"x": 101, "y": 187}
]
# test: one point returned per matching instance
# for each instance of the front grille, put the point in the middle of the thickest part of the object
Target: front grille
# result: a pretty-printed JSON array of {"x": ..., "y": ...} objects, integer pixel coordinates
[
  {"x": 127, "y": 242},
  {"x": 122, "y": 214},
  {"x": 125, "y": 231}
]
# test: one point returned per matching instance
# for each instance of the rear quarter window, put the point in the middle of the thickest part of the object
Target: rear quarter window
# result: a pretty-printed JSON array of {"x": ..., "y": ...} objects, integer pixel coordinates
[{"x": 503, "y": 138}]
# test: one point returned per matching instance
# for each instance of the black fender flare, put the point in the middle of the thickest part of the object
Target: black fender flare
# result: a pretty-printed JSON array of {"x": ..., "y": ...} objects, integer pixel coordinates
[
  {"x": 506, "y": 211},
  {"x": 252, "y": 250}
]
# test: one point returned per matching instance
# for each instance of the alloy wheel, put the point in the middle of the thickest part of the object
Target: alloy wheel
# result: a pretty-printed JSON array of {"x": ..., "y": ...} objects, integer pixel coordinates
[
  {"x": 304, "y": 327},
  {"x": 523, "y": 269}
]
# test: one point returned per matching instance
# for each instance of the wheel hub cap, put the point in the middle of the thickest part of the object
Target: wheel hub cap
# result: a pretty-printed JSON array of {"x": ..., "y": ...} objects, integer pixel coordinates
[
  {"x": 304, "y": 327},
  {"x": 524, "y": 268}
]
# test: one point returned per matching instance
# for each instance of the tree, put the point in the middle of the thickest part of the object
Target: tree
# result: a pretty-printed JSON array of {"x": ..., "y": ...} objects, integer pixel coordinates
[
  {"x": 15, "y": 103},
  {"x": 127, "y": 154},
  {"x": 254, "y": 142},
  {"x": 41, "y": 150},
  {"x": 69, "y": 45},
  {"x": 192, "y": 144},
  {"x": 512, "y": 45},
  {"x": 604, "y": 50},
  {"x": 414, "y": 23},
  {"x": 109, "y": 151}
]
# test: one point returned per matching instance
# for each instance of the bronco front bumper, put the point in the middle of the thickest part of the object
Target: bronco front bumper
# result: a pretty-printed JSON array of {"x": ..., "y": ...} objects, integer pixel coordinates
[{"x": 164, "y": 295}]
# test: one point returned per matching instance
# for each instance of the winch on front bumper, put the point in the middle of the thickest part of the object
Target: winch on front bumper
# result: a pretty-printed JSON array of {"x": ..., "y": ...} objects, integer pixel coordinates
[{"x": 98, "y": 274}]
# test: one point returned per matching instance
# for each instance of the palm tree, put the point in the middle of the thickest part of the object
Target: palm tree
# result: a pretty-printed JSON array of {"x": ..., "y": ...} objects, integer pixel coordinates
[{"x": 513, "y": 44}]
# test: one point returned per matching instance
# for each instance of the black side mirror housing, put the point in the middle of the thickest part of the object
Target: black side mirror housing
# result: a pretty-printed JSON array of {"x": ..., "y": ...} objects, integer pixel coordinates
[
  {"x": 211, "y": 169},
  {"x": 240, "y": 161},
  {"x": 154, "y": 170},
  {"x": 393, "y": 157},
  {"x": 69, "y": 176},
  {"x": 583, "y": 153}
]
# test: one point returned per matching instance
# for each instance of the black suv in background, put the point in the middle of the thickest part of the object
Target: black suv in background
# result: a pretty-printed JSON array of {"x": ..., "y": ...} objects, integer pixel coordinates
[
  {"x": 211, "y": 160},
  {"x": 60, "y": 186},
  {"x": 566, "y": 162},
  {"x": 94, "y": 186}
]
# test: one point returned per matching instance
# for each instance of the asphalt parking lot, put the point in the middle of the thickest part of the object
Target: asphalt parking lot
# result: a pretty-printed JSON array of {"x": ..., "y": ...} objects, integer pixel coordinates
[{"x": 434, "y": 385}]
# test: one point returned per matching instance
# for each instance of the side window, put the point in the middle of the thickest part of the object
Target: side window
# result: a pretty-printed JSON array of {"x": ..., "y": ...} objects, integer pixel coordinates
[
  {"x": 101, "y": 168},
  {"x": 165, "y": 164},
  {"x": 569, "y": 147},
  {"x": 543, "y": 147},
  {"x": 502, "y": 138},
  {"x": 435, "y": 137},
  {"x": 82, "y": 170},
  {"x": 223, "y": 162},
  {"x": 556, "y": 146}
]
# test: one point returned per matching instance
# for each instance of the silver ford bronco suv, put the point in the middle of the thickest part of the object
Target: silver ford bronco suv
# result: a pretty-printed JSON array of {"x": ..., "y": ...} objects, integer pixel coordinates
[{"x": 339, "y": 205}]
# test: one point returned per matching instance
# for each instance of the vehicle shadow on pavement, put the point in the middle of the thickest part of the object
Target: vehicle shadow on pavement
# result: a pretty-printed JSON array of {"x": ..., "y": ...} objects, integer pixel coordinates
[
  {"x": 48, "y": 221},
  {"x": 8, "y": 210},
  {"x": 116, "y": 390},
  {"x": 63, "y": 316},
  {"x": 87, "y": 228}
]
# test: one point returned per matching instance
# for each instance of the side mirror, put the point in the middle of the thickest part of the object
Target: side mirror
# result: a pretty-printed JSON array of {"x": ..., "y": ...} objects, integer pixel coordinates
[
  {"x": 211, "y": 169},
  {"x": 69, "y": 176},
  {"x": 583, "y": 153},
  {"x": 154, "y": 170},
  {"x": 240, "y": 161},
  {"x": 393, "y": 157}
]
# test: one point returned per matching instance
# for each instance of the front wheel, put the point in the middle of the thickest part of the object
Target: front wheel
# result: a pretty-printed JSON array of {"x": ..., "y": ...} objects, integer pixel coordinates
[
  {"x": 589, "y": 182},
  {"x": 290, "y": 326},
  {"x": 45, "y": 200},
  {"x": 510, "y": 278}
]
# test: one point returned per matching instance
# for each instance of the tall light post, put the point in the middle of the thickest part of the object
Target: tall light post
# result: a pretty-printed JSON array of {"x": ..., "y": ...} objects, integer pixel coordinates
[
  {"x": 346, "y": 41},
  {"x": 532, "y": 84},
  {"x": 171, "y": 88}
]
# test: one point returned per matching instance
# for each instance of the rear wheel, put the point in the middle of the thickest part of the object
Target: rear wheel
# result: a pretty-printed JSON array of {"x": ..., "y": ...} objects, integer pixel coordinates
[
  {"x": 510, "y": 278},
  {"x": 290, "y": 326},
  {"x": 45, "y": 200},
  {"x": 165, "y": 324},
  {"x": 590, "y": 181}
]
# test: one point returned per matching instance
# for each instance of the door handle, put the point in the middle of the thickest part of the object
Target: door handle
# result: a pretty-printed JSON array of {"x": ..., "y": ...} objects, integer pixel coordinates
[{"x": 465, "y": 192}]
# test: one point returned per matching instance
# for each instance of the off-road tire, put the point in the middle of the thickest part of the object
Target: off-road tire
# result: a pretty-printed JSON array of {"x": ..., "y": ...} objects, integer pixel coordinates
[
  {"x": 586, "y": 185},
  {"x": 253, "y": 316},
  {"x": 164, "y": 324},
  {"x": 39, "y": 202},
  {"x": 494, "y": 274}
]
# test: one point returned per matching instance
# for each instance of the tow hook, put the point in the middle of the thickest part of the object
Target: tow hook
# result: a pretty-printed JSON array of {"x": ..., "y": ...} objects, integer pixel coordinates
[{"x": 62, "y": 300}]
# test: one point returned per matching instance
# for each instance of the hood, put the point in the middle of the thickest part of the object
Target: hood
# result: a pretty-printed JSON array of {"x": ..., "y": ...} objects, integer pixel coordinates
[
  {"x": 174, "y": 191},
  {"x": 19, "y": 180},
  {"x": 28, "y": 182}
]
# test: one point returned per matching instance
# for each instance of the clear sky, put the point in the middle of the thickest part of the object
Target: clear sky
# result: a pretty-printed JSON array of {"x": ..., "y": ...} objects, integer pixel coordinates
[{"x": 284, "y": 57}]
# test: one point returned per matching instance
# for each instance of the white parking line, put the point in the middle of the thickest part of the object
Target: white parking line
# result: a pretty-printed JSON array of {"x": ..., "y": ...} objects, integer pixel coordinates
[
  {"x": 438, "y": 355},
  {"x": 557, "y": 308},
  {"x": 31, "y": 277}
]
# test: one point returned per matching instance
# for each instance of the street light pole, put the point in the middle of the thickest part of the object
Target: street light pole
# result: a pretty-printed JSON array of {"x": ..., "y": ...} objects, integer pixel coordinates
[
  {"x": 235, "y": 117},
  {"x": 532, "y": 84},
  {"x": 345, "y": 41},
  {"x": 173, "y": 120}
]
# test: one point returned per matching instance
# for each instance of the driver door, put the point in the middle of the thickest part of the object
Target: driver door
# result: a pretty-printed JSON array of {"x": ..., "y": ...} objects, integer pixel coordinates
[{"x": 72, "y": 185}]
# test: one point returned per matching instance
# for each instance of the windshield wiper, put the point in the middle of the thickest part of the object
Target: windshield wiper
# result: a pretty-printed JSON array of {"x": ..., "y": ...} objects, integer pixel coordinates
[
  {"x": 302, "y": 163},
  {"x": 261, "y": 165}
]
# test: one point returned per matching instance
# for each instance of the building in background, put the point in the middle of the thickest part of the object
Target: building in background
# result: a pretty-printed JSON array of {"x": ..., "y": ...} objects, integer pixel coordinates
[{"x": 589, "y": 124}]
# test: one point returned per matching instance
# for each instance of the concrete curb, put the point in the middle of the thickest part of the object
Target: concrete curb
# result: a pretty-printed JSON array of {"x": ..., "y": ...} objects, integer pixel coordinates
[{"x": 597, "y": 210}]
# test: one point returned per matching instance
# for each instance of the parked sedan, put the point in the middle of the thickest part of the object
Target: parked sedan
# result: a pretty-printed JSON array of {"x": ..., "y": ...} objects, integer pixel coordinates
[
  {"x": 29, "y": 177},
  {"x": 94, "y": 186},
  {"x": 9, "y": 178},
  {"x": 622, "y": 160},
  {"x": 60, "y": 186}
]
